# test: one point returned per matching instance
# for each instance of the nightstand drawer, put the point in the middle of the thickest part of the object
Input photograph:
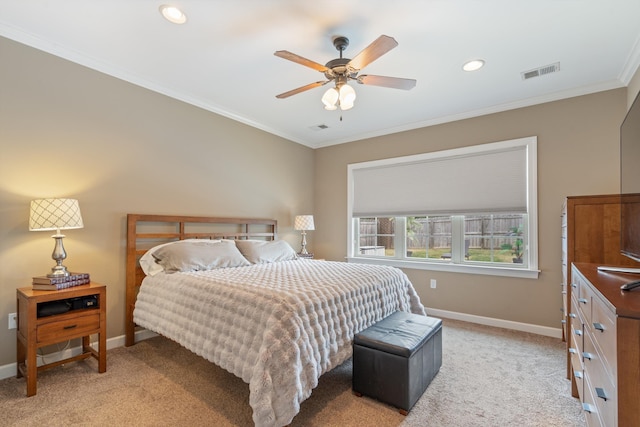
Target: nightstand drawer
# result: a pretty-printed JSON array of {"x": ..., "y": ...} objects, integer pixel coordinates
[{"x": 69, "y": 328}]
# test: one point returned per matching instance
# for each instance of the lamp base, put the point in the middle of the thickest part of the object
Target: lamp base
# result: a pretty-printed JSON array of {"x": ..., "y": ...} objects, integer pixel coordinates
[
  {"x": 59, "y": 254},
  {"x": 303, "y": 244},
  {"x": 58, "y": 271}
]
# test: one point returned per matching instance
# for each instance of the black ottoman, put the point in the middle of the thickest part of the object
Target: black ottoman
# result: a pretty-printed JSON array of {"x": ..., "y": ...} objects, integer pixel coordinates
[{"x": 395, "y": 360}]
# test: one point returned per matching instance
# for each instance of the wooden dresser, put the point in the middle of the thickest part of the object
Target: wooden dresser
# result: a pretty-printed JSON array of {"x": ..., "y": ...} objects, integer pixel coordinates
[
  {"x": 590, "y": 233},
  {"x": 605, "y": 346}
]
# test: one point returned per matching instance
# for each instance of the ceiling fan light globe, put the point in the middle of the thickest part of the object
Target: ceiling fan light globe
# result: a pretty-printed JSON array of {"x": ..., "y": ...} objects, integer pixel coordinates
[
  {"x": 330, "y": 98},
  {"x": 346, "y": 106},
  {"x": 347, "y": 95},
  {"x": 330, "y": 107}
]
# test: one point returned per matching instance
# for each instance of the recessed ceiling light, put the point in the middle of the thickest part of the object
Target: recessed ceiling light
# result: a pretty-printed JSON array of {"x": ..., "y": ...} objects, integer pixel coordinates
[
  {"x": 473, "y": 65},
  {"x": 173, "y": 14}
]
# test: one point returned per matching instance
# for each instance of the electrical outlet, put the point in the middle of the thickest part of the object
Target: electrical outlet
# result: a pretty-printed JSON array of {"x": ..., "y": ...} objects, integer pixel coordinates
[
  {"x": 13, "y": 318},
  {"x": 433, "y": 283}
]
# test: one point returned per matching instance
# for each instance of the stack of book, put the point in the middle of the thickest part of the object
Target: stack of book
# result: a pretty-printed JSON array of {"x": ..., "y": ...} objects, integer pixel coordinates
[{"x": 46, "y": 283}]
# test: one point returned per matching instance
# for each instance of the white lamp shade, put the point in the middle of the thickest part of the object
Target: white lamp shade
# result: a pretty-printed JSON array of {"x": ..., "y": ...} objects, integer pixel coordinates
[
  {"x": 304, "y": 222},
  {"x": 55, "y": 214}
]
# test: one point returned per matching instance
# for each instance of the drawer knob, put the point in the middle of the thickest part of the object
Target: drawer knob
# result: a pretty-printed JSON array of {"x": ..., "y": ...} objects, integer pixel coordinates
[
  {"x": 598, "y": 326},
  {"x": 574, "y": 286},
  {"x": 577, "y": 374},
  {"x": 583, "y": 300},
  {"x": 578, "y": 332},
  {"x": 601, "y": 393},
  {"x": 587, "y": 356},
  {"x": 588, "y": 408},
  {"x": 573, "y": 350},
  {"x": 70, "y": 326},
  {"x": 572, "y": 315}
]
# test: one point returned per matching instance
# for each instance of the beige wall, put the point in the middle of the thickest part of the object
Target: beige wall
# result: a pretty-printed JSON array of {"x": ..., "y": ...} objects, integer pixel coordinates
[
  {"x": 67, "y": 131},
  {"x": 578, "y": 153}
]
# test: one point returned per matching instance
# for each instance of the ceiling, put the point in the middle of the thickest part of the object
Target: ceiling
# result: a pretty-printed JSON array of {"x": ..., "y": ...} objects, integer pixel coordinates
[{"x": 222, "y": 59}]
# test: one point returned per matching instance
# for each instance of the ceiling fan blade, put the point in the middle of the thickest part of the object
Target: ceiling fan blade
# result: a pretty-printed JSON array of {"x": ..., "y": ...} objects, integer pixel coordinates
[
  {"x": 285, "y": 54},
  {"x": 392, "y": 82},
  {"x": 375, "y": 50},
  {"x": 302, "y": 89}
]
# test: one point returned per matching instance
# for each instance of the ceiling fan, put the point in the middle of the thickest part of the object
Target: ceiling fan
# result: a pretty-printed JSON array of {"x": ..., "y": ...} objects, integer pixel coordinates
[{"x": 341, "y": 70}]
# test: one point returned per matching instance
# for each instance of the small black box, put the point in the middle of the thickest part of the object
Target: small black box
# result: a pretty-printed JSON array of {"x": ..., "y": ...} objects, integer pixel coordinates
[{"x": 89, "y": 301}]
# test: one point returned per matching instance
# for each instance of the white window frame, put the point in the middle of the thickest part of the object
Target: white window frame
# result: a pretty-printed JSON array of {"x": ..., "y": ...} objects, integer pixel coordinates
[{"x": 531, "y": 271}]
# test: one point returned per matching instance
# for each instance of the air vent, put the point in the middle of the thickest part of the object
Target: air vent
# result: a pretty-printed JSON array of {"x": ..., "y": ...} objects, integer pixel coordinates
[
  {"x": 541, "y": 71},
  {"x": 319, "y": 127}
]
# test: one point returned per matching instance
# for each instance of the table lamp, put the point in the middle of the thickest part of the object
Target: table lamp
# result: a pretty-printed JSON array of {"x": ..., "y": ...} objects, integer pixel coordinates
[
  {"x": 304, "y": 223},
  {"x": 55, "y": 214}
]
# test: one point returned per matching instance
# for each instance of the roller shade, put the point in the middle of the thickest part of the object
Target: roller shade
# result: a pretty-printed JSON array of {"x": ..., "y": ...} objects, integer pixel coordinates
[{"x": 493, "y": 179}]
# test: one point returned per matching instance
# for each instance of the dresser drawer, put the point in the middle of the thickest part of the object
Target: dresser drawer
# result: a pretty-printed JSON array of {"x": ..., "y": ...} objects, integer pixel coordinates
[
  {"x": 577, "y": 368},
  {"x": 589, "y": 407},
  {"x": 66, "y": 329},
  {"x": 601, "y": 386},
  {"x": 584, "y": 301},
  {"x": 603, "y": 330},
  {"x": 577, "y": 333}
]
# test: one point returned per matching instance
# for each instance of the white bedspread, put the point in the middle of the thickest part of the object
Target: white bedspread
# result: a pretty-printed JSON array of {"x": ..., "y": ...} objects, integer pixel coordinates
[{"x": 277, "y": 326}]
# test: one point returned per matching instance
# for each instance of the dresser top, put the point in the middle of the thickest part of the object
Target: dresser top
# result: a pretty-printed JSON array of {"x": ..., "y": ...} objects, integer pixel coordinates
[{"x": 624, "y": 303}]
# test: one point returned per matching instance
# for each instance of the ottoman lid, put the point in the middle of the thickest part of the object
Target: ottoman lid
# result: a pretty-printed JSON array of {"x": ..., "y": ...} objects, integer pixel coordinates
[{"x": 400, "y": 333}]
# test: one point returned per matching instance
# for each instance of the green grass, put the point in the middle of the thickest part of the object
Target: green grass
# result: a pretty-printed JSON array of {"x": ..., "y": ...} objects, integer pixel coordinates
[{"x": 482, "y": 255}]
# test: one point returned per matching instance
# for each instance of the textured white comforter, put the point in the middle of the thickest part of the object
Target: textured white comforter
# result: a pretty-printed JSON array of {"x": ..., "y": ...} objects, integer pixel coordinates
[{"x": 278, "y": 326}]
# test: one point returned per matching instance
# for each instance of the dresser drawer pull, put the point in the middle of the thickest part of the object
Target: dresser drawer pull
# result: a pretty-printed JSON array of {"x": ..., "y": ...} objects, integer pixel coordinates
[
  {"x": 583, "y": 300},
  {"x": 578, "y": 332},
  {"x": 574, "y": 286},
  {"x": 598, "y": 326},
  {"x": 577, "y": 374},
  {"x": 601, "y": 393},
  {"x": 573, "y": 350},
  {"x": 586, "y": 355},
  {"x": 572, "y": 315},
  {"x": 70, "y": 326},
  {"x": 589, "y": 408},
  {"x": 563, "y": 321}
]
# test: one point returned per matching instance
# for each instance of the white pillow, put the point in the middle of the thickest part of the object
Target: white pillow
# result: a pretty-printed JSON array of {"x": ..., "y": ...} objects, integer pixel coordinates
[
  {"x": 262, "y": 251},
  {"x": 199, "y": 256},
  {"x": 148, "y": 262}
]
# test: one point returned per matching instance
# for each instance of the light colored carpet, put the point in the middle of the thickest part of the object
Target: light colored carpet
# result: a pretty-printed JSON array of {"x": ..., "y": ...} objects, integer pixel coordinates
[{"x": 489, "y": 377}]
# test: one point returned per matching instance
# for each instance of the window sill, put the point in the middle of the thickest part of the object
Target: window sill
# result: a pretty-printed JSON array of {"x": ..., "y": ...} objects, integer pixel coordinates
[{"x": 453, "y": 268}]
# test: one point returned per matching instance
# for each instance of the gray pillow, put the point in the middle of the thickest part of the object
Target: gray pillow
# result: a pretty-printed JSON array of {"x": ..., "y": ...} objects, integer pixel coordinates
[
  {"x": 261, "y": 251},
  {"x": 198, "y": 256}
]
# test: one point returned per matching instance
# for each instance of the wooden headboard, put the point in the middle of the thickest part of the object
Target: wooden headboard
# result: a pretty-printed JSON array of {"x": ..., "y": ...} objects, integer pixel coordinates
[{"x": 146, "y": 231}]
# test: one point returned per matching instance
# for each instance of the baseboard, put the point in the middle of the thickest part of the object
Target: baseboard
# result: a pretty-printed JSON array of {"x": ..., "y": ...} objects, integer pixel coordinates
[
  {"x": 10, "y": 370},
  {"x": 7, "y": 371},
  {"x": 499, "y": 323}
]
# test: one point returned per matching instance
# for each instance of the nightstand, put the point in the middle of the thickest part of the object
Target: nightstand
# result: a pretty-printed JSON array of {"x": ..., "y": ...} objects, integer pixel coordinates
[{"x": 86, "y": 316}]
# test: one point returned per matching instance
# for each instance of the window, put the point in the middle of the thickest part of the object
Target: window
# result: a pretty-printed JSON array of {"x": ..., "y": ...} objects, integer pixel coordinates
[{"x": 471, "y": 210}]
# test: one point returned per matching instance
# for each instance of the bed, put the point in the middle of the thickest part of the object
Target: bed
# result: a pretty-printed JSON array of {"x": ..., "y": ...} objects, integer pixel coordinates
[{"x": 275, "y": 321}]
